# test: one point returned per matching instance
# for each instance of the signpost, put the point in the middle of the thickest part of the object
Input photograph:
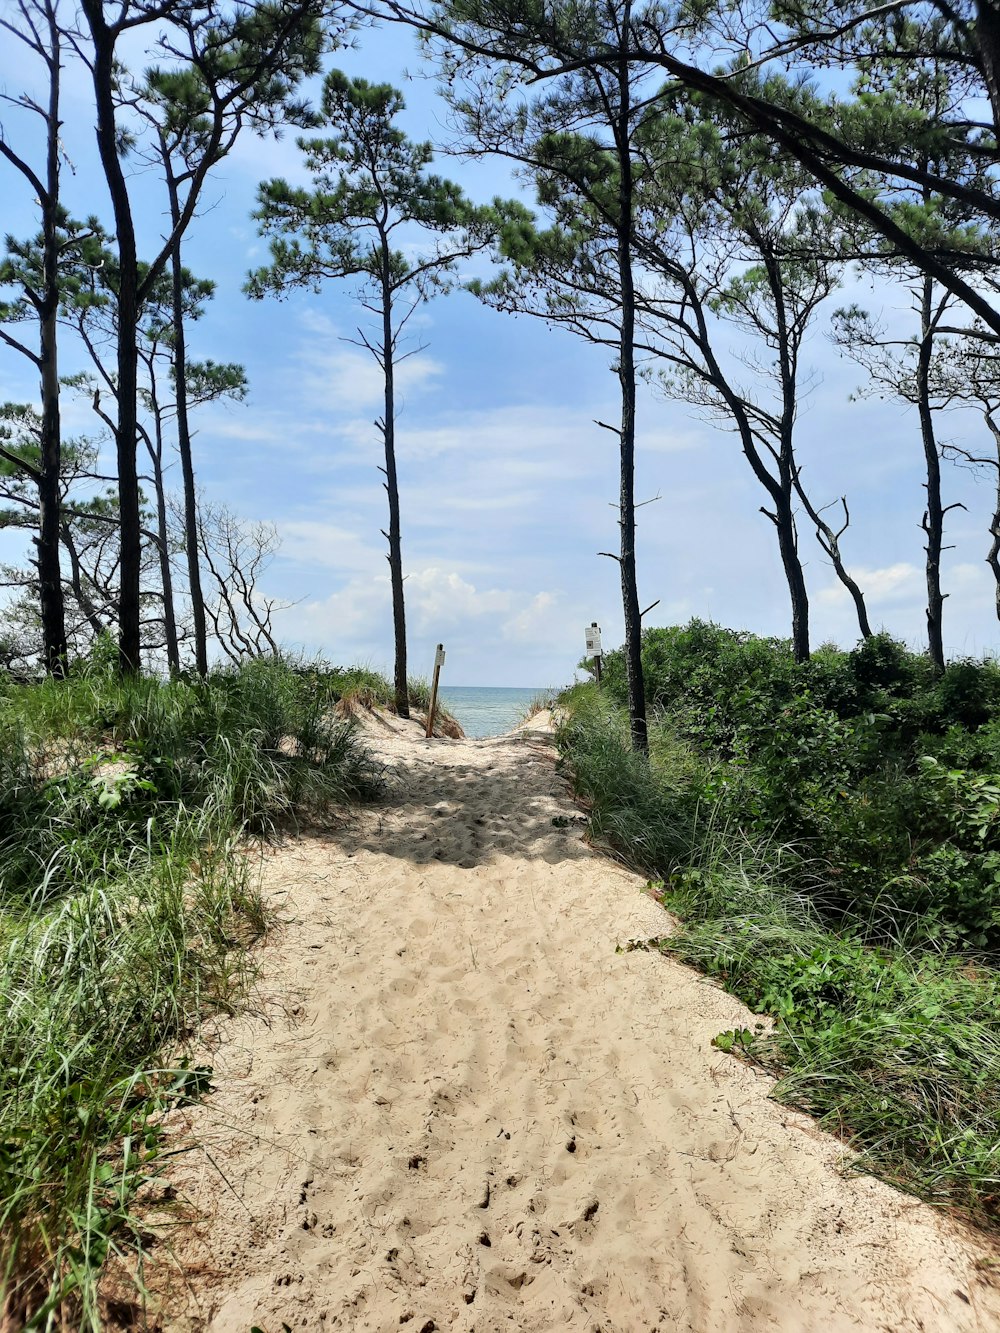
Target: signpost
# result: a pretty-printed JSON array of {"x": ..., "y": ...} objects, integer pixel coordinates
[
  {"x": 593, "y": 635},
  {"x": 438, "y": 664}
]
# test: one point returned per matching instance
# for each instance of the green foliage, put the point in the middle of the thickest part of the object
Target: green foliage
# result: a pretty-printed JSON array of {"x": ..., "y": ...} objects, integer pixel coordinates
[
  {"x": 875, "y": 769},
  {"x": 81, "y": 249},
  {"x": 631, "y": 804},
  {"x": 897, "y": 1052},
  {"x": 370, "y": 181},
  {"x": 127, "y": 897}
]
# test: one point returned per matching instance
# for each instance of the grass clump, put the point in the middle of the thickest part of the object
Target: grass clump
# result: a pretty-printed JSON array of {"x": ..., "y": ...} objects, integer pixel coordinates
[
  {"x": 884, "y": 995},
  {"x": 359, "y": 688},
  {"x": 542, "y": 702},
  {"x": 127, "y": 899}
]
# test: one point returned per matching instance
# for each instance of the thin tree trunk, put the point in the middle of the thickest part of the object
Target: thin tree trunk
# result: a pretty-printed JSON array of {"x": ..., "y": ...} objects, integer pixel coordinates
[
  {"x": 394, "y": 536},
  {"x": 184, "y": 439},
  {"x": 857, "y": 596},
  {"x": 788, "y": 545},
  {"x": 126, "y": 436},
  {"x": 784, "y": 513},
  {"x": 933, "y": 520},
  {"x": 829, "y": 540},
  {"x": 84, "y": 599},
  {"x": 166, "y": 578},
  {"x": 993, "y": 555},
  {"x": 626, "y": 378},
  {"x": 52, "y": 606},
  {"x": 163, "y": 549},
  {"x": 986, "y": 30}
]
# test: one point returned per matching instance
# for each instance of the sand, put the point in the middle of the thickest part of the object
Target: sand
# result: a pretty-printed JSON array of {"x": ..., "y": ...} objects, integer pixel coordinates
[{"x": 464, "y": 1109}]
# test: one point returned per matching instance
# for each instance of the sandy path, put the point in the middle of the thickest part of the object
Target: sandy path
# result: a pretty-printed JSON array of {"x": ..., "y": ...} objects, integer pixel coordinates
[{"x": 471, "y": 1113}]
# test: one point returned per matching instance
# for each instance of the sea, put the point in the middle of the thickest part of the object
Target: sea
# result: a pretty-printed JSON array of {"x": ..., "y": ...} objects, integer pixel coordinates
[{"x": 487, "y": 710}]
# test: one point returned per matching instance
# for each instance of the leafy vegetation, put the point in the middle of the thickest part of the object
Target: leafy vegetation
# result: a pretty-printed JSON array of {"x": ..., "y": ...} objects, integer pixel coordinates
[
  {"x": 127, "y": 898},
  {"x": 882, "y": 775},
  {"x": 826, "y": 831}
]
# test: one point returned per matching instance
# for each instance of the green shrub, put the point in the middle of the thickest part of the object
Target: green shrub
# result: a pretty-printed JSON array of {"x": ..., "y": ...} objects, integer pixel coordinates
[{"x": 832, "y": 755}]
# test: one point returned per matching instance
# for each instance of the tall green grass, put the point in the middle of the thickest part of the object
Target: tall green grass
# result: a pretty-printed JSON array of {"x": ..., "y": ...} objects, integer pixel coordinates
[
  {"x": 896, "y": 1049},
  {"x": 127, "y": 899}
]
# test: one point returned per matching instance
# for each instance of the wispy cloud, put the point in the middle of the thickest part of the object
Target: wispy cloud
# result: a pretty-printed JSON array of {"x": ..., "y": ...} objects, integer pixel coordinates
[
  {"x": 341, "y": 378},
  {"x": 892, "y": 584}
]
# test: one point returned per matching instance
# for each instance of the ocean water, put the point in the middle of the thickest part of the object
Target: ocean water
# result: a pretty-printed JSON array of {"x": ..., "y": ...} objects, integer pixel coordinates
[{"x": 486, "y": 710}]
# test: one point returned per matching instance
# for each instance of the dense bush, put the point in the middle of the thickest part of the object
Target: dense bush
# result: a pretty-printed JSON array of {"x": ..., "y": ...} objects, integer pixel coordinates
[{"x": 866, "y": 761}]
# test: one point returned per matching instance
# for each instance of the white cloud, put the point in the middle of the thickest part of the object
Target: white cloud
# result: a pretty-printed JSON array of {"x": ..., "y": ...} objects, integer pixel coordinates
[
  {"x": 892, "y": 584},
  {"x": 674, "y": 441},
  {"x": 338, "y": 377},
  {"x": 319, "y": 545},
  {"x": 526, "y": 440},
  {"x": 533, "y": 622},
  {"x": 255, "y": 427},
  {"x": 348, "y": 625},
  {"x": 477, "y": 624},
  {"x": 443, "y": 599}
]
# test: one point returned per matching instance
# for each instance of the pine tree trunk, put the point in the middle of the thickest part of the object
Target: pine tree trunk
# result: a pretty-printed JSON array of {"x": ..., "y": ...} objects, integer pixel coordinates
[
  {"x": 626, "y": 378},
  {"x": 53, "y": 611},
  {"x": 829, "y": 541},
  {"x": 986, "y": 30},
  {"x": 993, "y": 555},
  {"x": 933, "y": 520},
  {"x": 163, "y": 548},
  {"x": 784, "y": 492},
  {"x": 858, "y": 597},
  {"x": 76, "y": 577},
  {"x": 789, "y": 547},
  {"x": 130, "y": 560},
  {"x": 184, "y": 443},
  {"x": 167, "y": 581},
  {"x": 394, "y": 535}
]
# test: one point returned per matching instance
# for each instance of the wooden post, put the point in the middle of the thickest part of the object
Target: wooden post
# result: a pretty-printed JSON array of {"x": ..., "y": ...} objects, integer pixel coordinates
[
  {"x": 597, "y": 670},
  {"x": 438, "y": 664}
]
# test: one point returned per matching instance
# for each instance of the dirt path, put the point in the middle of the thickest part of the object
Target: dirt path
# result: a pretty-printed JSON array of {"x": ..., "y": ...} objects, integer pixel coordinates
[{"x": 471, "y": 1113}]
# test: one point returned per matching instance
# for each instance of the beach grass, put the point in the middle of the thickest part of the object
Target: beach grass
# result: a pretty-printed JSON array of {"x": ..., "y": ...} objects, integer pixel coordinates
[
  {"x": 541, "y": 702},
  {"x": 362, "y": 688},
  {"x": 132, "y": 815}
]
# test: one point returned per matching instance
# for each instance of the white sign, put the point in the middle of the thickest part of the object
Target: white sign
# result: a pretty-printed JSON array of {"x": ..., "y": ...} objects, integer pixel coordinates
[
  {"x": 439, "y": 658},
  {"x": 593, "y": 633}
]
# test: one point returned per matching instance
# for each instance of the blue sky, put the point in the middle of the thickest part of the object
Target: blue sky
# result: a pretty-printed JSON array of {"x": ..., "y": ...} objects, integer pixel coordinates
[{"x": 506, "y": 482}]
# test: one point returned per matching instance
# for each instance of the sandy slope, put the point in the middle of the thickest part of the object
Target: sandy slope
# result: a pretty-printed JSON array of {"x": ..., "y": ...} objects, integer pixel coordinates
[{"x": 469, "y": 1112}]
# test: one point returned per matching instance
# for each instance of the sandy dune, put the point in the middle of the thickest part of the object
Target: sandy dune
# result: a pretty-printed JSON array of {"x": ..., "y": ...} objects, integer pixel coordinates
[{"x": 468, "y": 1112}]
